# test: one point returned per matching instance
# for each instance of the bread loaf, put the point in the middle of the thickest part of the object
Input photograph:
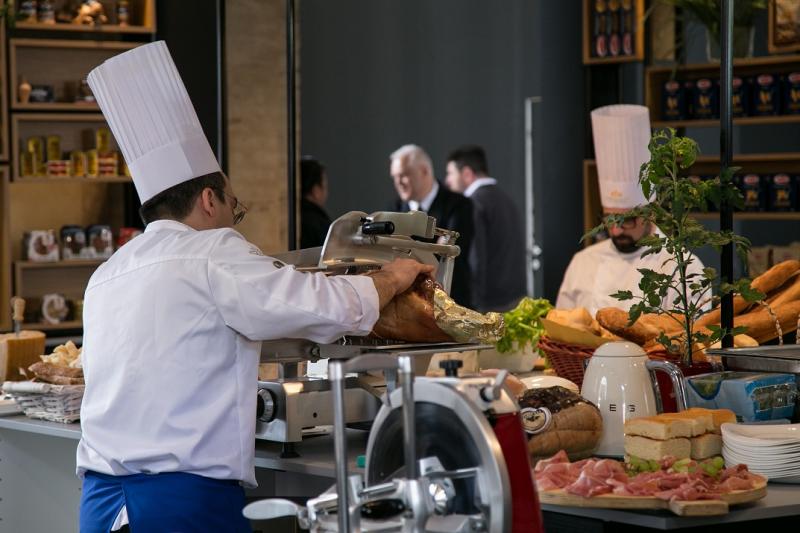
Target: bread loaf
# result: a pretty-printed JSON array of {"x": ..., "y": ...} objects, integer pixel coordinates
[
  {"x": 655, "y": 450},
  {"x": 761, "y": 326},
  {"x": 788, "y": 293},
  {"x": 616, "y": 321},
  {"x": 556, "y": 419},
  {"x": 767, "y": 282}
]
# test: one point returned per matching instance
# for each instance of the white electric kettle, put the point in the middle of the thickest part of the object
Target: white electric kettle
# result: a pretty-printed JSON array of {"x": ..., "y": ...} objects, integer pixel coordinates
[{"x": 620, "y": 381}]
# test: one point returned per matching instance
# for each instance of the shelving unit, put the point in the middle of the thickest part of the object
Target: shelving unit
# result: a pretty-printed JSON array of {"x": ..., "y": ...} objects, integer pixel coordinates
[
  {"x": 142, "y": 20},
  {"x": 704, "y": 165},
  {"x": 59, "y": 63},
  {"x": 35, "y": 279},
  {"x": 638, "y": 44},
  {"x": 655, "y": 77},
  {"x": 58, "y": 55},
  {"x": 73, "y": 129}
]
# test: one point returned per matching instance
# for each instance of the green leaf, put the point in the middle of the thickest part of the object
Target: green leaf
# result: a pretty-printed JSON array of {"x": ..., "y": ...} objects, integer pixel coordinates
[{"x": 623, "y": 295}]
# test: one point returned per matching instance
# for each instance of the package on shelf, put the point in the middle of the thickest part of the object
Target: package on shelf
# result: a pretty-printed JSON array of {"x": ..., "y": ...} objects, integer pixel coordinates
[
  {"x": 766, "y": 95},
  {"x": 100, "y": 241},
  {"x": 754, "y": 191},
  {"x": 782, "y": 192},
  {"x": 73, "y": 243},
  {"x": 58, "y": 169},
  {"x": 78, "y": 163},
  {"x": 103, "y": 140},
  {"x": 54, "y": 308},
  {"x": 53, "y": 150},
  {"x": 40, "y": 245},
  {"x": 705, "y": 101},
  {"x": 740, "y": 97},
  {"x": 107, "y": 164},
  {"x": 752, "y": 396},
  {"x": 791, "y": 93}
]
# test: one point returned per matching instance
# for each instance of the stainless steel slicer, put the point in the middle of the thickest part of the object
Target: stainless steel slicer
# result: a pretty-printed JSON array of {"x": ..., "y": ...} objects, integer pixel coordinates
[{"x": 356, "y": 242}]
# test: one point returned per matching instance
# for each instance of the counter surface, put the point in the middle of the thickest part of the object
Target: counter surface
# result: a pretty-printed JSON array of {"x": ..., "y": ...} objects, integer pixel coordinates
[{"x": 316, "y": 459}]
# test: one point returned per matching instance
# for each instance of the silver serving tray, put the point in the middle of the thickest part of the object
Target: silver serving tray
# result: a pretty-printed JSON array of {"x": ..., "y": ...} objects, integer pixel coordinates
[{"x": 784, "y": 358}]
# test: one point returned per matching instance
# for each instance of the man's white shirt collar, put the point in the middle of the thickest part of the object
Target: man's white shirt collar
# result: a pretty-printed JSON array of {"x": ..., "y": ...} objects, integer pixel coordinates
[
  {"x": 426, "y": 202},
  {"x": 477, "y": 184}
]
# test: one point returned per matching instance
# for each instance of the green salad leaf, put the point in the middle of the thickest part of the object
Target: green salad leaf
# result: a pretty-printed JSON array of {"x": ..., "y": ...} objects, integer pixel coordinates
[{"x": 524, "y": 324}]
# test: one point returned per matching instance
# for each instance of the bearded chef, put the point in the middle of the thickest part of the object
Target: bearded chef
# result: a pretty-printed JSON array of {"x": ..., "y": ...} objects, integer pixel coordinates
[
  {"x": 621, "y": 136},
  {"x": 173, "y": 321}
]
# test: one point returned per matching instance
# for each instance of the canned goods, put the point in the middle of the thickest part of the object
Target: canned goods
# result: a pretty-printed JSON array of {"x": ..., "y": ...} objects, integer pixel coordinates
[
  {"x": 103, "y": 140},
  {"x": 53, "y": 147},
  {"x": 78, "y": 160},
  {"x": 92, "y": 164}
]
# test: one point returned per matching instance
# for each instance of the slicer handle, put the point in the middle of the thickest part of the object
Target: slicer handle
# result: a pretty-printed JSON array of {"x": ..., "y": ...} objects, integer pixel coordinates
[
  {"x": 494, "y": 391},
  {"x": 18, "y": 307},
  {"x": 451, "y": 366},
  {"x": 385, "y": 227}
]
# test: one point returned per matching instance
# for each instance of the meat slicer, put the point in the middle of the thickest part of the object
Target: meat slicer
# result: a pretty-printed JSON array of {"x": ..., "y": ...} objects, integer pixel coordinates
[
  {"x": 444, "y": 455},
  {"x": 357, "y": 242}
]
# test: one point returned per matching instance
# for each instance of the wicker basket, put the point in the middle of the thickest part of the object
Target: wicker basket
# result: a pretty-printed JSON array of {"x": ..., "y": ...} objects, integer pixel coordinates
[
  {"x": 56, "y": 403},
  {"x": 566, "y": 359}
]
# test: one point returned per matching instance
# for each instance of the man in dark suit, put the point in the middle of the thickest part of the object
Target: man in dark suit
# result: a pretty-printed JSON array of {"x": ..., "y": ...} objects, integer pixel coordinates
[
  {"x": 412, "y": 173},
  {"x": 497, "y": 258},
  {"x": 314, "y": 221}
]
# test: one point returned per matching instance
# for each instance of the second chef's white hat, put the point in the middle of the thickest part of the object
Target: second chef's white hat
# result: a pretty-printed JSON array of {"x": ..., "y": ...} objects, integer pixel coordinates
[
  {"x": 154, "y": 123},
  {"x": 621, "y": 135}
]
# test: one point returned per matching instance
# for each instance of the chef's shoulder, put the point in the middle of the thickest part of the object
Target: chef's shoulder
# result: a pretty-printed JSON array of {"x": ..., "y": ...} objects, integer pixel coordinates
[{"x": 593, "y": 252}]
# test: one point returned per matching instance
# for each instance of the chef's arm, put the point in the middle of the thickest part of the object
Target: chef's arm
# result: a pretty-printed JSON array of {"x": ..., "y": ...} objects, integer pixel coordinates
[{"x": 396, "y": 277}]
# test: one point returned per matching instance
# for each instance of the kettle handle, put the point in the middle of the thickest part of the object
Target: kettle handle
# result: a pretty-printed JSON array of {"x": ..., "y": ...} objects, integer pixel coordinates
[{"x": 675, "y": 375}]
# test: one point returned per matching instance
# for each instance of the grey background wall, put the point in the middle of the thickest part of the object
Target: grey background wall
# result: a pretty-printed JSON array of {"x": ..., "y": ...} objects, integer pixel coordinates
[{"x": 381, "y": 73}]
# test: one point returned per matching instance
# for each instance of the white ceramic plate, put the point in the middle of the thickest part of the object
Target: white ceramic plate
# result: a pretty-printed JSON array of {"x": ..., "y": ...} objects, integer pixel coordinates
[
  {"x": 787, "y": 452},
  {"x": 759, "y": 433},
  {"x": 790, "y": 479},
  {"x": 539, "y": 382}
]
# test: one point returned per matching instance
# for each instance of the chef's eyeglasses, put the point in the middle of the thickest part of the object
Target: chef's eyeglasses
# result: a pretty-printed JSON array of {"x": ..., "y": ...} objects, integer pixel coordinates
[
  {"x": 628, "y": 223},
  {"x": 239, "y": 209}
]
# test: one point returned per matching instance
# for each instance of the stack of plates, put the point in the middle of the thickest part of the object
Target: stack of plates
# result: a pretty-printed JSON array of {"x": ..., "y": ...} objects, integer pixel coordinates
[{"x": 770, "y": 450}]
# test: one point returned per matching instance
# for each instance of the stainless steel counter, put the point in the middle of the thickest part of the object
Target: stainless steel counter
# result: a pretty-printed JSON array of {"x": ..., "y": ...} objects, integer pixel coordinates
[{"x": 37, "y": 464}]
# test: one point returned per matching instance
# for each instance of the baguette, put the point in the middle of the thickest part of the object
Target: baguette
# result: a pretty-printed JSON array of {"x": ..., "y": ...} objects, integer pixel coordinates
[
  {"x": 616, "y": 321},
  {"x": 767, "y": 282},
  {"x": 787, "y": 294},
  {"x": 761, "y": 326}
]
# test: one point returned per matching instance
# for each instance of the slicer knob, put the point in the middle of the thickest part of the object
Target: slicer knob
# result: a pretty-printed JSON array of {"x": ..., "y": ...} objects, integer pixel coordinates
[
  {"x": 494, "y": 391},
  {"x": 451, "y": 366},
  {"x": 265, "y": 408}
]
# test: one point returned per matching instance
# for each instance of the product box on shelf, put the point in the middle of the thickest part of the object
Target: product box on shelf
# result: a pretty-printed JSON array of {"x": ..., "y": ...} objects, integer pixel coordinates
[
  {"x": 754, "y": 191},
  {"x": 766, "y": 95},
  {"x": 675, "y": 101},
  {"x": 740, "y": 97},
  {"x": 705, "y": 103},
  {"x": 782, "y": 192},
  {"x": 791, "y": 94},
  {"x": 40, "y": 245}
]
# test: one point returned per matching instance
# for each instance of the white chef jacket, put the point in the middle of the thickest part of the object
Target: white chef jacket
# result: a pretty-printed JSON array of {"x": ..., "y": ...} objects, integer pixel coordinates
[
  {"x": 600, "y": 270},
  {"x": 172, "y": 330}
]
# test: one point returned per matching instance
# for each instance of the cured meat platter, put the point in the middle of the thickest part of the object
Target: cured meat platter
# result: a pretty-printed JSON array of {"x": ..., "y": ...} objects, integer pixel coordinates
[{"x": 681, "y": 508}]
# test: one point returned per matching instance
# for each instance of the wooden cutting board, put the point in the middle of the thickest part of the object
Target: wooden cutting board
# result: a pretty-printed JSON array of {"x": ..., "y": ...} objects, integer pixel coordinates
[{"x": 680, "y": 508}]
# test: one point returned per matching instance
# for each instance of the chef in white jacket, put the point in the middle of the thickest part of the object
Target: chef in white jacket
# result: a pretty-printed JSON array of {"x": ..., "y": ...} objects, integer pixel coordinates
[
  {"x": 621, "y": 136},
  {"x": 173, "y": 321}
]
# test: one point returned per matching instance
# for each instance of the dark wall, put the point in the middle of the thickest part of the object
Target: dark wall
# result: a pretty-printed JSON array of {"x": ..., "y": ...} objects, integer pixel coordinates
[
  {"x": 376, "y": 74},
  {"x": 193, "y": 33}
]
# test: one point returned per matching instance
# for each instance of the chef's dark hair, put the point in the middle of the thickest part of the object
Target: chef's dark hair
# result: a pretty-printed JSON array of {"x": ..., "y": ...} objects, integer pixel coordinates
[
  {"x": 472, "y": 156},
  {"x": 177, "y": 202},
  {"x": 311, "y": 172}
]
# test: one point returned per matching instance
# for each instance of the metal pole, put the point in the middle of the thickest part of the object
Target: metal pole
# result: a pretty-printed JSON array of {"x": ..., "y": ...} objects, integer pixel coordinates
[
  {"x": 725, "y": 153},
  {"x": 409, "y": 420},
  {"x": 533, "y": 251},
  {"x": 336, "y": 377},
  {"x": 291, "y": 189}
]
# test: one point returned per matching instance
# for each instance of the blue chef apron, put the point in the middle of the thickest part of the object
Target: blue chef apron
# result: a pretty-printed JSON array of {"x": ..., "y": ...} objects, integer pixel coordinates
[{"x": 162, "y": 503}]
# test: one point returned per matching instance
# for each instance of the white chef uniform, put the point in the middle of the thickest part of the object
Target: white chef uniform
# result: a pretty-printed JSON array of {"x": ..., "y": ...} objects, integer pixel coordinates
[
  {"x": 173, "y": 321},
  {"x": 621, "y": 135}
]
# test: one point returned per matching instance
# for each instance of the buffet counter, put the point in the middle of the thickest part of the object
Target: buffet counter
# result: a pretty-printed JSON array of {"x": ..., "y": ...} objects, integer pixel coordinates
[{"x": 37, "y": 472}]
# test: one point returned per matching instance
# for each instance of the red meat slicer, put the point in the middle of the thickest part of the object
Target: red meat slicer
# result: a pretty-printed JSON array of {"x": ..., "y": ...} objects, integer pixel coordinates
[{"x": 444, "y": 455}]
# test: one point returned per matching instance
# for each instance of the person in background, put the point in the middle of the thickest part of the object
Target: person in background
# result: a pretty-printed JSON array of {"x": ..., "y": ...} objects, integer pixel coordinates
[
  {"x": 417, "y": 189},
  {"x": 497, "y": 256},
  {"x": 621, "y": 135},
  {"x": 314, "y": 221}
]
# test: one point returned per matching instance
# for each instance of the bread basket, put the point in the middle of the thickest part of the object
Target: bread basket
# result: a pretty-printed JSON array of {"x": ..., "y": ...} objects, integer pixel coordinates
[
  {"x": 45, "y": 401},
  {"x": 566, "y": 359}
]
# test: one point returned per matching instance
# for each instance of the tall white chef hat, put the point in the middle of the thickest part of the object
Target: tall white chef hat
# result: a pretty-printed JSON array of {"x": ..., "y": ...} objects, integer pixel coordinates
[
  {"x": 149, "y": 111},
  {"x": 621, "y": 135}
]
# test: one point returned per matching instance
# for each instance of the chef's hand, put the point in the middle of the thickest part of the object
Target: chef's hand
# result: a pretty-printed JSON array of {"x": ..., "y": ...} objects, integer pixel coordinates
[{"x": 397, "y": 276}]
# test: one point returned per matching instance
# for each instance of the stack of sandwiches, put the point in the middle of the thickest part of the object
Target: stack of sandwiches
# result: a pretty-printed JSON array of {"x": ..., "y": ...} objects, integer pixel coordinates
[{"x": 691, "y": 434}]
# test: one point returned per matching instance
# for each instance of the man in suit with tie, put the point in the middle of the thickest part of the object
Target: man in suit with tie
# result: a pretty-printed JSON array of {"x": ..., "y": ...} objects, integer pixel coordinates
[
  {"x": 412, "y": 173},
  {"x": 497, "y": 258}
]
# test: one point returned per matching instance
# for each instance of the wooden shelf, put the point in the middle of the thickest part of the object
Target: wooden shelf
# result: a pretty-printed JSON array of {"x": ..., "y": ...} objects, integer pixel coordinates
[
  {"x": 55, "y": 106},
  {"x": 611, "y": 60},
  {"x": 638, "y": 37},
  {"x": 73, "y": 179},
  {"x": 656, "y": 77},
  {"x": 706, "y": 123},
  {"x": 69, "y": 324},
  {"x": 765, "y": 216},
  {"x": 63, "y": 26},
  {"x": 77, "y": 263}
]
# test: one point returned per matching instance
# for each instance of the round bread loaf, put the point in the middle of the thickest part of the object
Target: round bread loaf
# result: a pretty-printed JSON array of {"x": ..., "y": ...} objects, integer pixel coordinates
[{"x": 556, "y": 419}]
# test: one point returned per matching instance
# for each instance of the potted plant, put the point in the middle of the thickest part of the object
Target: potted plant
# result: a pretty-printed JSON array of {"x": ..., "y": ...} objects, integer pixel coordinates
[
  {"x": 707, "y": 12},
  {"x": 673, "y": 200}
]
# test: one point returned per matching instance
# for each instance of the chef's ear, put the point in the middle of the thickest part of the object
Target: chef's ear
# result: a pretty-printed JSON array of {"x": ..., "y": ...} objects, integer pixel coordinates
[{"x": 209, "y": 202}]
